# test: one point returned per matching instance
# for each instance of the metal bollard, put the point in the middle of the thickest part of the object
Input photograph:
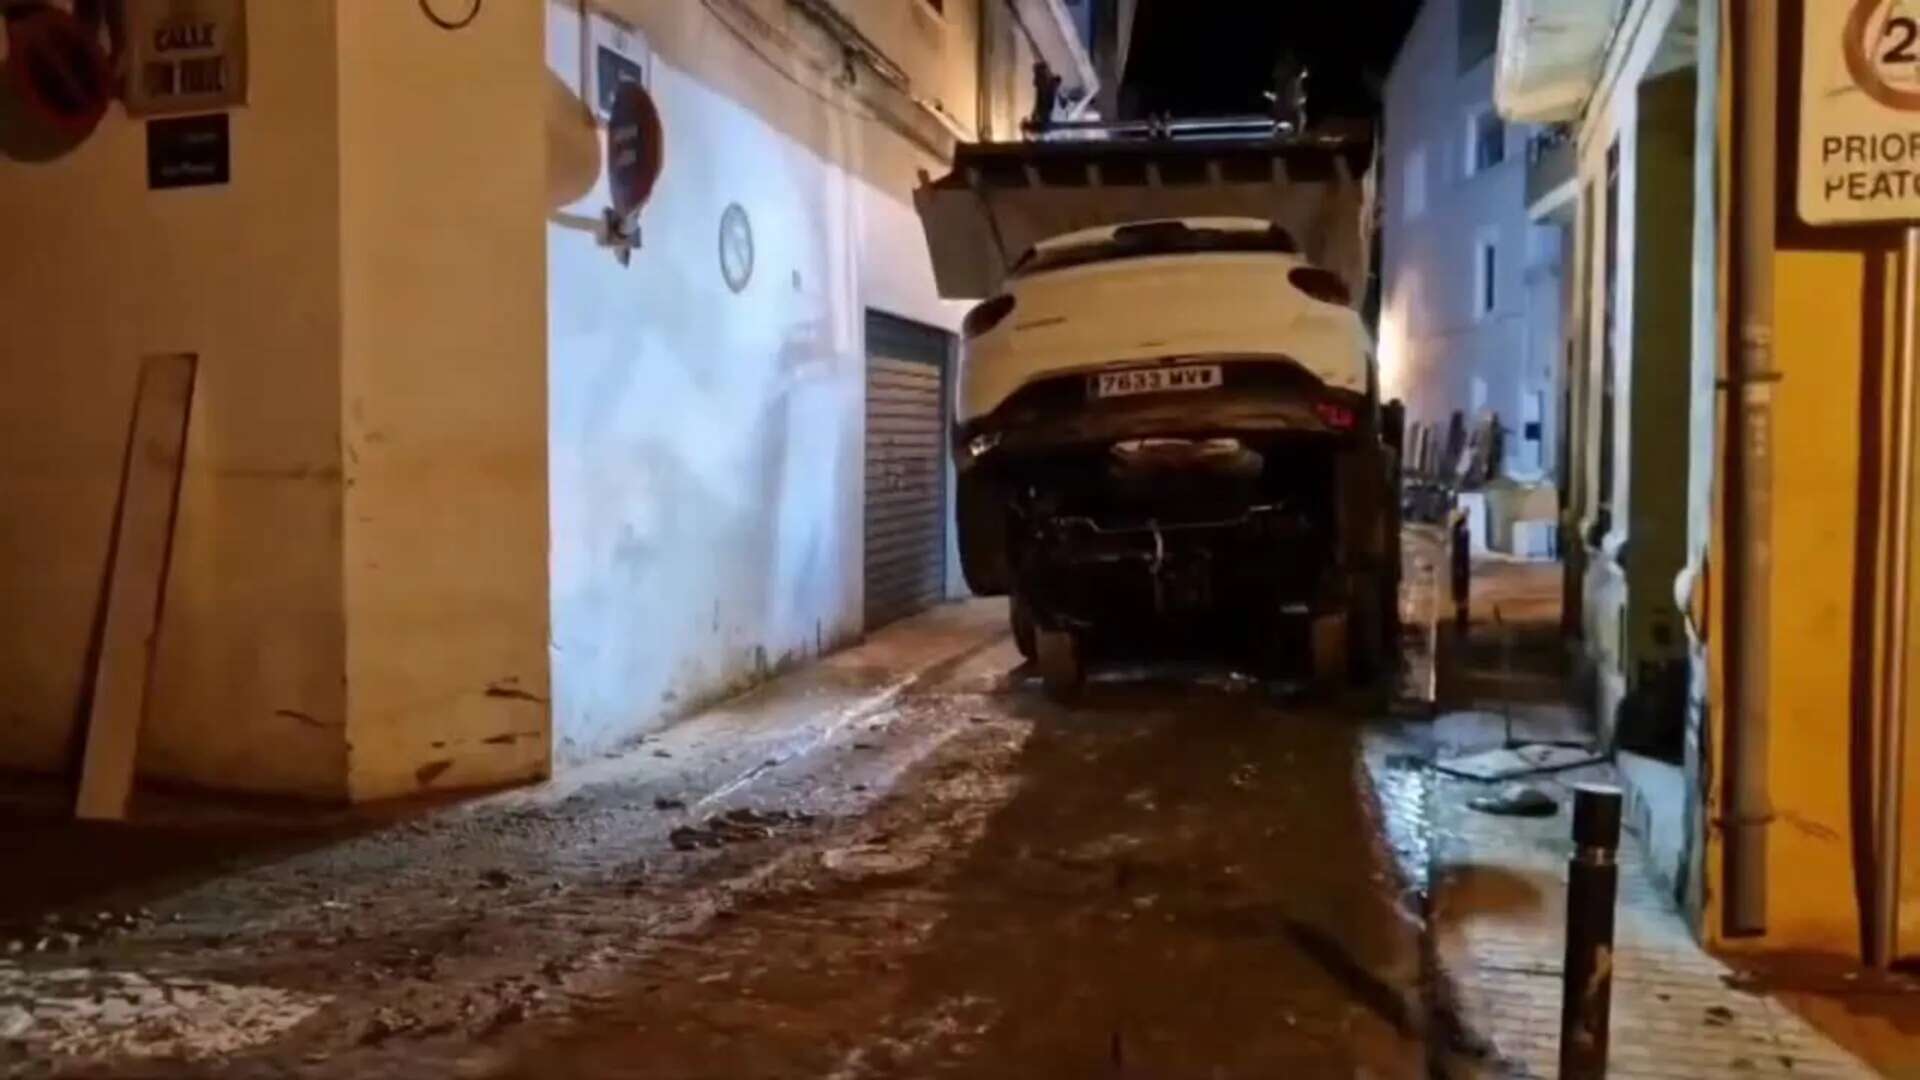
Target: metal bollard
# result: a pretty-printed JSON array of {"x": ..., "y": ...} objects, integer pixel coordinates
[{"x": 1593, "y": 879}]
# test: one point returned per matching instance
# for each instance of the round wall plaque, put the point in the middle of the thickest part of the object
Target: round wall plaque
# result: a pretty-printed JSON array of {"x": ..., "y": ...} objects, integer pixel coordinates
[{"x": 736, "y": 247}]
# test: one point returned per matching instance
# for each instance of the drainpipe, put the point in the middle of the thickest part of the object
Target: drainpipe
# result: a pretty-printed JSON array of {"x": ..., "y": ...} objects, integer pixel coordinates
[{"x": 1748, "y": 809}]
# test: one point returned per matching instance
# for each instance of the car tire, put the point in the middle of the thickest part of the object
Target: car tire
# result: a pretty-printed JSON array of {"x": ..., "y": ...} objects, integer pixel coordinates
[
  {"x": 1329, "y": 651},
  {"x": 1062, "y": 667},
  {"x": 980, "y": 514},
  {"x": 1367, "y": 642},
  {"x": 1020, "y": 615}
]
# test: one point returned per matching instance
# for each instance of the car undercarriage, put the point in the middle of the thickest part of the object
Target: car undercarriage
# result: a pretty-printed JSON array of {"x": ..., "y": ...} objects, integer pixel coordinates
[{"x": 1252, "y": 518}]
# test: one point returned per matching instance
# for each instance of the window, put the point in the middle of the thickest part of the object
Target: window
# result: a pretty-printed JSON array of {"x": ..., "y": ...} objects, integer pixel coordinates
[
  {"x": 1479, "y": 32},
  {"x": 1533, "y": 410},
  {"x": 1486, "y": 274},
  {"x": 1151, "y": 238},
  {"x": 1413, "y": 189},
  {"x": 1486, "y": 141}
]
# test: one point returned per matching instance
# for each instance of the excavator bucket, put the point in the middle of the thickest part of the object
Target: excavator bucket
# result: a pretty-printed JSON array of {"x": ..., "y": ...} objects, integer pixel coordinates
[{"x": 1003, "y": 198}]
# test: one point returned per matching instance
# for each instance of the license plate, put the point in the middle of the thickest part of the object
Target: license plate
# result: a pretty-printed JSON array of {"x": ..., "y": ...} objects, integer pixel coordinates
[{"x": 1162, "y": 380}]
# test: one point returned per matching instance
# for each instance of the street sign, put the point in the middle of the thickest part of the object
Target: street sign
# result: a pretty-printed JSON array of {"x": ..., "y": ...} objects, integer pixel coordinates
[
  {"x": 617, "y": 54},
  {"x": 635, "y": 149},
  {"x": 1859, "y": 153},
  {"x": 58, "y": 68},
  {"x": 636, "y": 152},
  {"x": 189, "y": 151},
  {"x": 185, "y": 56}
]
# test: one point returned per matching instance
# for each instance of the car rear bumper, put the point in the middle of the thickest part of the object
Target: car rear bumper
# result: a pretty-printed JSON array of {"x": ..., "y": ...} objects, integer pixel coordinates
[{"x": 1266, "y": 398}]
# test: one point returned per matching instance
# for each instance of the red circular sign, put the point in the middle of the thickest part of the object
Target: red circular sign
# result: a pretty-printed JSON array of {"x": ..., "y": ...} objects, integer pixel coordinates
[
  {"x": 58, "y": 68},
  {"x": 1862, "y": 32},
  {"x": 636, "y": 148}
]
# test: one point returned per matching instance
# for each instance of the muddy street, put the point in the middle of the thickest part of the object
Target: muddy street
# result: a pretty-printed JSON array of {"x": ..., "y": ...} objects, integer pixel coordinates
[
  {"x": 1165, "y": 881},
  {"x": 850, "y": 874}
]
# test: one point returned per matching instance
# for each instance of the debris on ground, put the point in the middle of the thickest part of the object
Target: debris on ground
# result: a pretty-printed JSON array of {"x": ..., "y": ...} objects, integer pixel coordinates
[
  {"x": 872, "y": 860},
  {"x": 1531, "y": 759},
  {"x": 96, "y": 1013},
  {"x": 734, "y": 827},
  {"x": 1517, "y": 800},
  {"x": 71, "y": 932},
  {"x": 663, "y": 803}
]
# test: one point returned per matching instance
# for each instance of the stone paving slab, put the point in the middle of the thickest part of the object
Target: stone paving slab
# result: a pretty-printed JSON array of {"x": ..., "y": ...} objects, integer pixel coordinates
[{"x": 1499, "y": 902}]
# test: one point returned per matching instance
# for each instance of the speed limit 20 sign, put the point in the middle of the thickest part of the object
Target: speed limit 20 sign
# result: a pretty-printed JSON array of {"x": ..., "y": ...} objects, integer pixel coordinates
[{"x": 1860, "y": 112}]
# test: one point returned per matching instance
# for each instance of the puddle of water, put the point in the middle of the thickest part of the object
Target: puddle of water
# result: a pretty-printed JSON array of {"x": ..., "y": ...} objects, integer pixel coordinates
[{"x": 1403, "y": 787}]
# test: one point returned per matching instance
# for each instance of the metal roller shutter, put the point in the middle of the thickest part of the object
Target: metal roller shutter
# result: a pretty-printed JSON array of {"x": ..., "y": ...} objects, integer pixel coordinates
[{"x": 906, "y": 504}]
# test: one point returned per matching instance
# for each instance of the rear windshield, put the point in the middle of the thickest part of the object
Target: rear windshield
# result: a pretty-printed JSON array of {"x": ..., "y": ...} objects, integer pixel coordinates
[{"x": 1158, "y": 238}]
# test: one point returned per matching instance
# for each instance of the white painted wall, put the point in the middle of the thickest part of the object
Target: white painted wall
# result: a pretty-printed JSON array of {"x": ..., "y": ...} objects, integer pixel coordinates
[
  {"x": 706, "y": 447},
  {"x": 1435, "y": 346},
  {"x": 1609, "y": 123},
  {"x": 1633, "y": 583}
]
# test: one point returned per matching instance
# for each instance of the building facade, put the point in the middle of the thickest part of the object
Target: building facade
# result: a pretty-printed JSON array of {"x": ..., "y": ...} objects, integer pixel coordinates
[
  {"x": 1472, "y": 290},
  {"x": 465, "y": 493},
  {"x": 1752, "y": 769}
]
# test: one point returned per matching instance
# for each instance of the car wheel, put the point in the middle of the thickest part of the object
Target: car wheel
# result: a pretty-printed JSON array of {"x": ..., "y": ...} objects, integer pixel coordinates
[
  {"x": 981, "y": 519},
  {"x": 1329, "y": 650},
  {"x": 1062, "y": 668},
  {"x": 1366, "y": 629},
  {"x": 1020, "y": 614}
]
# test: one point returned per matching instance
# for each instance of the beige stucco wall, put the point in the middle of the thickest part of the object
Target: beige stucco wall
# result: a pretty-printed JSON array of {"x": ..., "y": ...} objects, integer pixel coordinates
[
  {"x": 938, "y": 51},
  {"x": 357, "y": 600},
  {"x": 408, "y": 341},
  {"x": 443, "y": 391},
  {"x": 96, "y": 272},
  {"x": 1644, "y": 110}
]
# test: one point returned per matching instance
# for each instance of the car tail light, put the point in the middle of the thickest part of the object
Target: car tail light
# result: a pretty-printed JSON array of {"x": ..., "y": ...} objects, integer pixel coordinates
[
  {"x": 1323, "y": 285},
  {"x": 987, "y": 316},
  {"x": 1336, "y": 415}
]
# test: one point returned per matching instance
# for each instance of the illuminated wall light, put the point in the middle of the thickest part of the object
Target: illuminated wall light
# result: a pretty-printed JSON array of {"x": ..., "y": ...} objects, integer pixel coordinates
[{"x": 1390, "y": 350}]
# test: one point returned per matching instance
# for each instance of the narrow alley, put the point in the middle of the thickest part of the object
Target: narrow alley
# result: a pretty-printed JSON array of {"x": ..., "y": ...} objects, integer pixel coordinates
[
  {"x": 872, "y": 539},
  {"x": 853, "y": 873},
  {"x": 908, "y": 861}
]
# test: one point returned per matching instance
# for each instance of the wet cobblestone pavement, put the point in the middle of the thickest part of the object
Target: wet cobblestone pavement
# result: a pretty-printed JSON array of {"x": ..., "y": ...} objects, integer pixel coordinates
[
  {"x": 1180, "y": 876},
  {"x": 1162, "y": 882}
]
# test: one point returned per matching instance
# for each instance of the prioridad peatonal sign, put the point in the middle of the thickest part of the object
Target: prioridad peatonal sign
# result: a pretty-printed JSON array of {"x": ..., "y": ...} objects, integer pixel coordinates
[{"x": 1860, "y": 112}]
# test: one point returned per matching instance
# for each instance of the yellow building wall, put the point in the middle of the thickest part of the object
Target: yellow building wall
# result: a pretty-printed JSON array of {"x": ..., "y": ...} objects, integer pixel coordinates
[
  {"x": 1821, "y": 338},
  {"x": 443, "y": 184},
  {"x": 357, "y": 591},
  {"x": 1818, "y": 326},
  {"x": 936, "y": 49},
  {"x": 97, "y": 271}
]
